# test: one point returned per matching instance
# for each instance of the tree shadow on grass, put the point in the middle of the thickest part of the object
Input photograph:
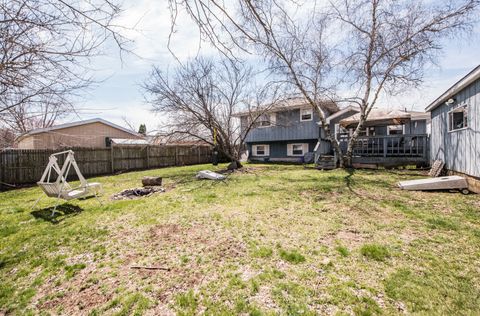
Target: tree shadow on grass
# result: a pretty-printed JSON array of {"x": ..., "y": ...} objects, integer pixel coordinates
[
  {"x": 62, "y": 212},
  {"x": 408, "y": 172},
  {"x": 349, "y": 181}
]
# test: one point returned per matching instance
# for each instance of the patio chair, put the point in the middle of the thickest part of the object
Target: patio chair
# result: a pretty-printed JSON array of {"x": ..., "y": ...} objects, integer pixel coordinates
[{"x": 59, "y": 188}]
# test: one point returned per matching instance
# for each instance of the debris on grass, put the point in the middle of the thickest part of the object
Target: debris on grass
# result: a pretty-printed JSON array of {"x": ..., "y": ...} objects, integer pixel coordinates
[
  {"x": 150, "y": 268},
  {"x": 210, "y": 175},
  {"x": 149, "y": 181},
  {"x": 135, "y": 193}
]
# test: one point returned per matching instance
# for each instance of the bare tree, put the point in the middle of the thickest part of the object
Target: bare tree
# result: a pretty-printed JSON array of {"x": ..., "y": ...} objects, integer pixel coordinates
[
  {"x": 388, "y": 44},
  {"x": 295, "y": 49},
  {"x": 201, "y": 97},
  {"x": 377, "y": 44},
  {"x": 45, "y": 46},
  {"x": 7, "y": 137},
  {"x": 28, "y": 115}
]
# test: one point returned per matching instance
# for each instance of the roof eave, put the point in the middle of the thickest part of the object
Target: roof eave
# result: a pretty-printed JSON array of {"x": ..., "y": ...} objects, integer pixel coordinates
[
  {"x": 78, "y": 123},
  {"x": 458, "y": 86},
  {"x": 342, "y": 111}
]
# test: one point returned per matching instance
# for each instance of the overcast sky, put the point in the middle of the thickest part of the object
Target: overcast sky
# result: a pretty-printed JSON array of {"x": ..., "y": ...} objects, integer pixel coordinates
[{"x": 119, "y": 95}]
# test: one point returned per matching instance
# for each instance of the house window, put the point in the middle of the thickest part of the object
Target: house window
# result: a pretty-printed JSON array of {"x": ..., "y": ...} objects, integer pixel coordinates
[
  {"x": 297, "y": 149},
  {"x": 266, "y": 119},
  {"x": 306, "y": 115},
  {"x": 341, "y": 132},
  {"x": 395, "y": 130},
  {"x": 458, "y": 118},
  {"x": 363, "y": 132},
  {"x": 261, "y": 150}
]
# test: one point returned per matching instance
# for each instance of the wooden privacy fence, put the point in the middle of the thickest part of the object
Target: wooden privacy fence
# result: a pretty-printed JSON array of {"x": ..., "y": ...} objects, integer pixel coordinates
[{"x": 22, "y": 166}]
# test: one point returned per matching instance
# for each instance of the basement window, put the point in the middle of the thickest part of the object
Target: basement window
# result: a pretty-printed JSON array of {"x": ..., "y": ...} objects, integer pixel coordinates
[
  {"x": 457, "y": 119},
  {"x": 261, "y": 150},
  {"x": 297, "y": 149}
]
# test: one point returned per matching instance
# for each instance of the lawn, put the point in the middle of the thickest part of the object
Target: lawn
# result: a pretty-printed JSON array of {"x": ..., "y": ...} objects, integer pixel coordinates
[{"x": 272, "y": 239}]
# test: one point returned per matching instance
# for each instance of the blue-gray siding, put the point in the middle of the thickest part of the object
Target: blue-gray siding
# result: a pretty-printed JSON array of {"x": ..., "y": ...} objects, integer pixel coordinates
[
  {"x": 460, "y": 150},
  {"x": 288, "y": 127},
  {"x": 337, "y": 119},
  {"x": 416, "y": 127},
  {"x": 279, "y": 149}
]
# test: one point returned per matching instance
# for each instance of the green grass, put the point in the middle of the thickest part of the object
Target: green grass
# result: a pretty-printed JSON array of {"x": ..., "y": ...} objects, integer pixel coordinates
[
  {"x": 276, "y": 239},
  {"x": 292, "y": 256},
  {"x": 343, "y": 251},
  {"x": 375, "y": 252}
]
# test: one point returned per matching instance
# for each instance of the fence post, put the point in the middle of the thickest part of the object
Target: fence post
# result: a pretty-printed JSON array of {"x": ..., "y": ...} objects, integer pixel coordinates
[
  {"x": 176, "y": 154},
  {"x": 147, "y": 163},
  {"x": 385, "y": 146},
  {"x": 198, "y": 155},
  {"x": 111, "y": 159},
  {"x": 2, "y": 167}
]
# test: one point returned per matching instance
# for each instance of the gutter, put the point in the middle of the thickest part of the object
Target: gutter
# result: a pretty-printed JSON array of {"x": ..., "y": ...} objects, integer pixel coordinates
[{"x": 457, "y": 87}]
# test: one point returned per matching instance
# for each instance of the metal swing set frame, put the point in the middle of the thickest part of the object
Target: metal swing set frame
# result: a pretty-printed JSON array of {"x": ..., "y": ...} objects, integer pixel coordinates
[{"x": 59, "y": 188}]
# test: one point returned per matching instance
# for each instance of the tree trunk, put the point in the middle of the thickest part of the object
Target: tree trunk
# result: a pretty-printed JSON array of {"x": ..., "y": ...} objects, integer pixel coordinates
[
  {"x": 334, "y": 142},
  {"x": 232, "y": 155},
  {"x": 352, "y": 140},
  {"x": 338, "y": 152},
  {"x": 151, "y": 181}
]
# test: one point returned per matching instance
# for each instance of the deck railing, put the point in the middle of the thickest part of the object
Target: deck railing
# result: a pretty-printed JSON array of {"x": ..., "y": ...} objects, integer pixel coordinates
[{"x": 388, "y": 145}]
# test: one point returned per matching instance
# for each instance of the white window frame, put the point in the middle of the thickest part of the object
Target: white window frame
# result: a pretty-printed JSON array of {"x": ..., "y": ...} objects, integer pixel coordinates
[
  {"x": 396, "y": 128},
  {"x": 290, "y": 149},
  {"x": 464, "y": 109},
  {"x": 310, "y": 111},
  {"x": 371, "y": 131},
  {"x": 266, "y": 150},
  {"x": 362, "y": 130}
]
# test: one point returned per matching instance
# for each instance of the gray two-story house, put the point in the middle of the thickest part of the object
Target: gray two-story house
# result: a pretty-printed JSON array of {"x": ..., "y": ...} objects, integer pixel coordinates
[{"x": 286, "y": 132}]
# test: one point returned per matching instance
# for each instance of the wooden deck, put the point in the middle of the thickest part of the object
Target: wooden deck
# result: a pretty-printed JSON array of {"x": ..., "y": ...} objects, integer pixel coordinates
[{"x": 389, "y": 150}]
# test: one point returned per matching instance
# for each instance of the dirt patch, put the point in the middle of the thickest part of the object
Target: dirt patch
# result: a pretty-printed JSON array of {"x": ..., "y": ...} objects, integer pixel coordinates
[
  {"x": 264, "y": 299},
  {"x": 135, "y": 193},
  {"x": 252, "y": 170},
  {"x": 213, "y": 242},
  {"x": 78, "y": 302},
  {"x": 193, "y": 255},
  {"x": 350, "y": 237},
  {"x": 78, "y": 295}
]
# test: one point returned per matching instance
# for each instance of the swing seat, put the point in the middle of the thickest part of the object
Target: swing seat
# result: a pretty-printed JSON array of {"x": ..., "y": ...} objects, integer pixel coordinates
[
  {"x": 67, "y": 193},
  {"x": 60, "y": 188}
]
